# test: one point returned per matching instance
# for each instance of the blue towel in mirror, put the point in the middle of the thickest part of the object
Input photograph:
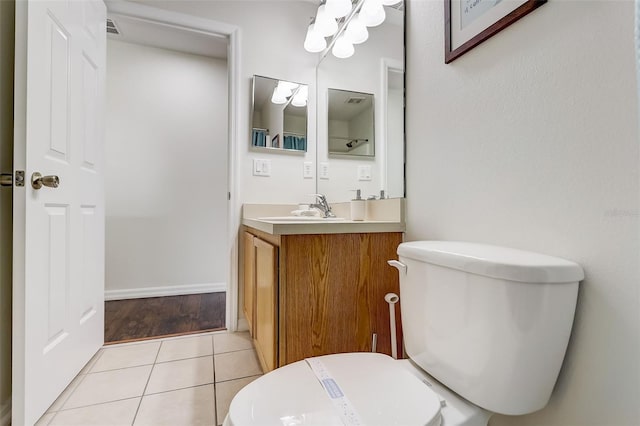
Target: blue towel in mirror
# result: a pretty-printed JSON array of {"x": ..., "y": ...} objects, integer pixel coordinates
[
  {"x": 295, "y": 142},
  {"x": 259, "y": 138}
]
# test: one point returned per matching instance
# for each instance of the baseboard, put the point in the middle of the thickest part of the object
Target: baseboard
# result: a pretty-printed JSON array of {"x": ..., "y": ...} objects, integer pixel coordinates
[
  {"x": 5, "y": 413},
  {"x": 174, "y": 290},
  {"x": 243, "y": 324}
]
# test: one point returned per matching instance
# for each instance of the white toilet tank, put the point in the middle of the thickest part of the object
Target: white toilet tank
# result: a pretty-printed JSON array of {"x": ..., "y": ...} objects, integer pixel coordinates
[{"x": 490, "y": 323}]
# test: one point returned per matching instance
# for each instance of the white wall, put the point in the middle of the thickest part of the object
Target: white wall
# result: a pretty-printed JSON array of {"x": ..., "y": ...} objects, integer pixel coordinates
[
  {"x": 6, "y": 227},
  {"x": 359, "y": 73},
  {"x": 166, "y": 168},
  {"x": 272, "y": 34},
  {"x": 395, "y": 142},
  {"x": 530, "y": 140}
]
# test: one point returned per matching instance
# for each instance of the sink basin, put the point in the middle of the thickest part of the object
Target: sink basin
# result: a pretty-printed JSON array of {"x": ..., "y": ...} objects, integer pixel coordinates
[{"x": 299, "y": 219}]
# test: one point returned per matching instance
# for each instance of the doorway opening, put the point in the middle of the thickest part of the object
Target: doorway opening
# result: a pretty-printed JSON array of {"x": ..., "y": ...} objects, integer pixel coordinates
[{"x": 166, "y": 180}]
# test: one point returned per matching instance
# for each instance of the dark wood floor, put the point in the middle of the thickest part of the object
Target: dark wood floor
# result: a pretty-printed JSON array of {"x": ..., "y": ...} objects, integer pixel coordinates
[{"x": 139, "y": 319}]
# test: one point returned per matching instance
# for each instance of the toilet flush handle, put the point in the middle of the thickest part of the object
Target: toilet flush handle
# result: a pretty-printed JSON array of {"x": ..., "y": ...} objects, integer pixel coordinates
[{"x": 398, "y": 265}]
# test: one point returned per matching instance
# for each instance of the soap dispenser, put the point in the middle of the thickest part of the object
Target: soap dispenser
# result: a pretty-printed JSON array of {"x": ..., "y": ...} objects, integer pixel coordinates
[{"x": 357, "y": 207}]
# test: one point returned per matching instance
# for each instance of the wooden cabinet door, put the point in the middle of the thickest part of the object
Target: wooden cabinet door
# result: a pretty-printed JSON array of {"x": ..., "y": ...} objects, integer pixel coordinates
[
  {"x": 332, "y": 294},
  {"x": 249, "y": 287},
  {"x": 266, "y": 306}
]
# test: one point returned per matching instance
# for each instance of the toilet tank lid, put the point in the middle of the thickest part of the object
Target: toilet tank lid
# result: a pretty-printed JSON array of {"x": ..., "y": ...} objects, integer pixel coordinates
[{"x": 494, "y": 261}]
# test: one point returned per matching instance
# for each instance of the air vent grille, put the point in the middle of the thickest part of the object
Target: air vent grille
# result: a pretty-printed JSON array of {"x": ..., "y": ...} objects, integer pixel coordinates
[
  {"x": 354, "y": 100},
  {"x": 111, "y": 27}
]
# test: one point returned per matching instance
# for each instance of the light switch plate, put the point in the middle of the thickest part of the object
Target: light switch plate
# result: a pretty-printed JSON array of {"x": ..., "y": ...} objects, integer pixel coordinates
[
  {"x": 266, "y": 167},
  {"x": 261, "y": 167},
  {"x": 324, "y": 170},
  {"x": 364, "y": 172},
  {"x": 307, "y": 170}
]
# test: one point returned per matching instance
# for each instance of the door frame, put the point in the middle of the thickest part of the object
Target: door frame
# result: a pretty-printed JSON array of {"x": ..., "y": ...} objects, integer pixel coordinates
[{"x": 193, "y": 23}]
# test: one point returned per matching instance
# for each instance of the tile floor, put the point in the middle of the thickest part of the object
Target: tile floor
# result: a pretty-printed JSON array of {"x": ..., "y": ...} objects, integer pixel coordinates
[{"x": 183, "y": 381}]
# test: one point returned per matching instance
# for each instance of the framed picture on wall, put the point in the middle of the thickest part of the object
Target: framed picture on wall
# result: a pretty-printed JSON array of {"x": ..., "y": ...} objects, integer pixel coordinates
[{"x": 467, "y": 23}]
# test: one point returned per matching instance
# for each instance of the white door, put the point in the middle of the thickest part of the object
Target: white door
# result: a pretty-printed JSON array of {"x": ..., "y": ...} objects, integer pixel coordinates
[{"x": 58, "y": 288}]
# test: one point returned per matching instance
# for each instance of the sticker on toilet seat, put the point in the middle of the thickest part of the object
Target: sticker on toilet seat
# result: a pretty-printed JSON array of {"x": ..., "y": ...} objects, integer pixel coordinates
[{"x": 347, "y": 411}]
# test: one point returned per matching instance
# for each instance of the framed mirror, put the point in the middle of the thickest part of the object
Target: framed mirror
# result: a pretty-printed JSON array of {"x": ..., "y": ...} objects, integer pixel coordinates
[
  {"x": 279, "y": 115},
  {"x": 350, "y": 123}
]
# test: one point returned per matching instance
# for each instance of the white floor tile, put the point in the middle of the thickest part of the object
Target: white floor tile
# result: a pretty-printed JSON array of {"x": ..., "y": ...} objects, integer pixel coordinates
[
  {"x": 180, "y": 374},
  {"x": 118, "y": 413},
  {"x": 92, "y": 362},
  {"x": 97, "y": 388},
  {"x": 235, "y": 365},
  {"x": 188, "y": 347},
  {"x": 228, "y": 342},
  {"x": 225, "y": 392},
  {"x": 185, "y": 407},
  {"x": 58, "y": 403},
  {"x": 126, "y": 356}
]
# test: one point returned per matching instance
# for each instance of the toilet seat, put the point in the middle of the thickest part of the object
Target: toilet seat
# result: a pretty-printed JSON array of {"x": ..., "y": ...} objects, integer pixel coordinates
[{"x": 378, "y": 388}]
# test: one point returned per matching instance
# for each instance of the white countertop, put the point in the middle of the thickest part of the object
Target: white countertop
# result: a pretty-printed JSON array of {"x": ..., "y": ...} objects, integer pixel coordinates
[
  {"x": 382, "y": 216},
  {"x": 283, "y": 227}
]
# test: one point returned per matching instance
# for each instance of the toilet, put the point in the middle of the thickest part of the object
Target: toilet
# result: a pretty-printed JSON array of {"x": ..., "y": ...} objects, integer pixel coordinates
[{"x": 485, "y": 329}]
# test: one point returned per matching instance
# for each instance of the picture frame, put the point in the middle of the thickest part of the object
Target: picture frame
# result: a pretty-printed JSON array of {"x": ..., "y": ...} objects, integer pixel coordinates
[{"x": 470, "y": 22}]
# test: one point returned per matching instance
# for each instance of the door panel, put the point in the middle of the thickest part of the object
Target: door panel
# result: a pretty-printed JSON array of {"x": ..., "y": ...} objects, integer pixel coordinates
[
  {"x": 58, "y": 321},
  {"x": 266, "y": 303}
]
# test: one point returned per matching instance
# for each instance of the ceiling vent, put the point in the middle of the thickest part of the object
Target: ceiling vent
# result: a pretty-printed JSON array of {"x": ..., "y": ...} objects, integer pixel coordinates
[
  {"x": 355, "y": 100},
  {"x": 111, "y": 27}
]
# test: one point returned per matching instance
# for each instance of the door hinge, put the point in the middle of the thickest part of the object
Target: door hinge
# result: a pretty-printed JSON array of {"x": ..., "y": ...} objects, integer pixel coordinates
[
  {"x": 6, "y": 179},
  {"x": 229, "y": 196}
]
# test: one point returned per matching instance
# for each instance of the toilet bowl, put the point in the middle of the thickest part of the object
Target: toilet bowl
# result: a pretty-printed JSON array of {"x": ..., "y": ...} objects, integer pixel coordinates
[
  {"x": 378, "y": 389},
  {"x": 485, "y": 329}
]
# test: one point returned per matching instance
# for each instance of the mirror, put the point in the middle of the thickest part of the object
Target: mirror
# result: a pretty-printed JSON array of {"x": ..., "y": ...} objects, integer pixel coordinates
[
  {"x": 279, "y": 115},
  {"x": 375, "y": 72},
  {"x": 351, "y": 118}
]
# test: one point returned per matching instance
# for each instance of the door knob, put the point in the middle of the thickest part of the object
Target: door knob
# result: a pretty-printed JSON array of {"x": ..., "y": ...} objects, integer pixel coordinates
[{"x": 37, "y": 181}]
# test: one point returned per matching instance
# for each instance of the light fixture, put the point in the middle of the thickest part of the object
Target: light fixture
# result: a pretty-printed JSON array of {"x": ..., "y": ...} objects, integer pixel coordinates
[
  {"x": 287, "y": 87},
  {"x": 325, "y": 24},
  {"x": 339, "y": 8},
  {"x": 356, "y": 30},
  {"x": 354, "y": 16},
  {"x": 301, "y": 96},
  {"x": 314, "y": 42},
  {"x": 372, "y": 13},
  {"x": 278, "y": 97},
  {"x": 342, "y": 48},
  {"x": 283, "y": 91}
]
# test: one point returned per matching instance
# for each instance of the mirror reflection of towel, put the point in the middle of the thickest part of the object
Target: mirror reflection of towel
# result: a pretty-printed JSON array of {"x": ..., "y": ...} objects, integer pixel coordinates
[
  {"x": 259, "y": 138},
  {"x": 295, "y": 142}
]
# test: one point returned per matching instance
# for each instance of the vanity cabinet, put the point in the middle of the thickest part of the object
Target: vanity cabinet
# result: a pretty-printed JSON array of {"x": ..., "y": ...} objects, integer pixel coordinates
[
  {"x": 260, "y": 297},
  {"x": 319, "y": 294}
]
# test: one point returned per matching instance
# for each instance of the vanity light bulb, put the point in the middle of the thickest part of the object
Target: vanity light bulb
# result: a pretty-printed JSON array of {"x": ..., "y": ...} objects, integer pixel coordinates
[
  {"x": 299, "y": 101},
  {"x": 342, "y": 48},
  {"x": 339, "y": 8},
  {"x": 325, "y": 24},
  {"x": 278, "y": 97},
  {"x": 372, "y": 13},
  {"x": 300, "y": 98},
  {"x": 287, "y": 87},
  {"x": 314, "y": 42},
  {"x": 357, "y": 31}
]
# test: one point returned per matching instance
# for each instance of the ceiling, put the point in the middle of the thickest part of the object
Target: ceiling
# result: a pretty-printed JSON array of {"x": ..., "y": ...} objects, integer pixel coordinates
[{"x": 139, "y": 31}]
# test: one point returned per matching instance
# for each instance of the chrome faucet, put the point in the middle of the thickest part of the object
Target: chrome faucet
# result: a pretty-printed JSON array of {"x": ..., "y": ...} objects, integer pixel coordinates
[{"x": 322, "y": 205}]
